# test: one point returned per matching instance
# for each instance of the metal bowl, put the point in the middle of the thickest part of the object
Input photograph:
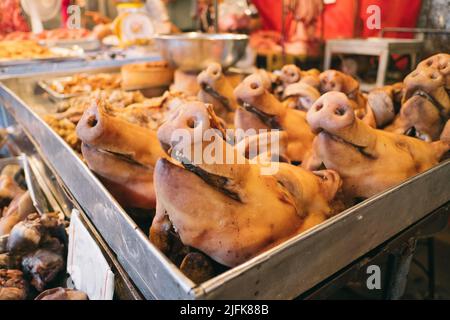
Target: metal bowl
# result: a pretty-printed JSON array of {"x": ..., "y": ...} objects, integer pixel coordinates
[{"x": 193, "y": 51}]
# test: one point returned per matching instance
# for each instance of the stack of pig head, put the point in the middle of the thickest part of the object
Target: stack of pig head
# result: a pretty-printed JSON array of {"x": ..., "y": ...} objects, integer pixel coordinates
[
  {"x": 225, "y": 209},
  {"x": 260, "y": 109},
  {"x": 218, "y": 91},
  {"x": 367, "y": 159},
  {"x": 426, "y": 104},
  {"x": 337, "y": 81},
  {"x": 121, "y": 152}
]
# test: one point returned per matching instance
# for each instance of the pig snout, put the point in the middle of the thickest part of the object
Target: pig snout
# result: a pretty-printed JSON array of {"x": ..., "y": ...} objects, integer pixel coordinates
[
  {"x": 210, "y": 74},
  {"x": 331, "y": 113},
  {"x": 181, "y": 124},
  {"x": 252, "y": 87},
  {"x": 290, "y": 74},
  {"x": 330, "y": 80},
  {"x": 425, "y": 78}
]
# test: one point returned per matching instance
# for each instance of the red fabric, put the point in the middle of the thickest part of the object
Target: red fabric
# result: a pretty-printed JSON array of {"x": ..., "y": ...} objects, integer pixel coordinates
[
  {"x": 11, "y": 18},
  {"x": 64, "y": 15},
  {"x": 340, "y": 17},
  {"x": 270, "y": 12},
  {"x": 398, "y": 13}
]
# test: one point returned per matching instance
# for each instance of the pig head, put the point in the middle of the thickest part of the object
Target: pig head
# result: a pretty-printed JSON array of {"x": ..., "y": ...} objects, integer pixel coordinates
[
  {"x": 367, "y": 159},
  {"x": 426, "y": 104},
  {"x": 261, "y": 110},
  {"x": 225, "y": 210},
  {"x": 216, "y": 90},
  {"x": 121, "y": 153}
]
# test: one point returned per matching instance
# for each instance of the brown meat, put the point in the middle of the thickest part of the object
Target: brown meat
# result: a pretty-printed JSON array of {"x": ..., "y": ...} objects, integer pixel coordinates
[
  {"x": 12, "y": 285},
  {"x": 18, "y": 210}
]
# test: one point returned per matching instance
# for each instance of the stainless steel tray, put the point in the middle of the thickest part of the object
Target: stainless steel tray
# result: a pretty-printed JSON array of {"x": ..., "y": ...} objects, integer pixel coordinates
[
  {"x": 56, "y": 96},
  {"x": 45, "y": 85},
  {"x": 61, "y": 54},
  {"x": 281, "y": 273},
  {"x": 85, "y": 44}
]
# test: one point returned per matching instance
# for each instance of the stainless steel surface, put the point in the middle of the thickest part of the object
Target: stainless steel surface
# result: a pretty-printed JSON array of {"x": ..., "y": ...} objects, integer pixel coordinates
[
  {"x": 44, "y": 68},
  {"x": 281, "y": 273},
  {"x": 59, "y": 55},
  {"x": 193, "y": 51},
  {"x": 85, "y": 44},
  {"x": 45, "y": 85}
]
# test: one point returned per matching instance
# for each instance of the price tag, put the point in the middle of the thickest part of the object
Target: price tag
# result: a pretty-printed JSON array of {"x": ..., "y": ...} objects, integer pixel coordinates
[{"x": 88, "y": 268}]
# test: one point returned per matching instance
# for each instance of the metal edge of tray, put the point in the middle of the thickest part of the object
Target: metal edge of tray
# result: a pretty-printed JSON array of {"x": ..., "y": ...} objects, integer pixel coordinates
[
  {"x": 56, "y": 96},
  {"x": 303, "y": 261},
  {"x": 150, "y": 269},
  {"x": 30, "y": 69},
  {"x": 275, "y": 273}
]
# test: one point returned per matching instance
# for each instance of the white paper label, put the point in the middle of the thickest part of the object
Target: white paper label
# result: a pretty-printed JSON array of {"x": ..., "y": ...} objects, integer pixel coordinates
[{"x": 88, "y": 268}]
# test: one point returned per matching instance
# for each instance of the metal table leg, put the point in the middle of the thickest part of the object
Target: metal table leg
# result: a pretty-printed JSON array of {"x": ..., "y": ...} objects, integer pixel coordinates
[{"x": 398, "y": 266}]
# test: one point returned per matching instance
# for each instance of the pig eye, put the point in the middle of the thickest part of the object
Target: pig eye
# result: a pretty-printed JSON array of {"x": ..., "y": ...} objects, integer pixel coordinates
[
  {"x": 429, "y": 63},
  {"x": 319, "y": 107},
  {"x": 332, "y": 84},
  {"x": 254, "y": 85}
]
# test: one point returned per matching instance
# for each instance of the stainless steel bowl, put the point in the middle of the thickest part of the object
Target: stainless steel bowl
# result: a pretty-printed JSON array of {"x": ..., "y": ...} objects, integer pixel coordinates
[{"x": 193, "y": 51}]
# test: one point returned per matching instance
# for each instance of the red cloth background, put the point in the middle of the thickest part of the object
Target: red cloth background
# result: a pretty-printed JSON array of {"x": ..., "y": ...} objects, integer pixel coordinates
[{"x": 340, "y": 17}]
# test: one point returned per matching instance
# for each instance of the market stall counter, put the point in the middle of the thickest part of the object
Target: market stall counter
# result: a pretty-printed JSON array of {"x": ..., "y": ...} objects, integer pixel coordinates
[{"x": 282, "y": 272}]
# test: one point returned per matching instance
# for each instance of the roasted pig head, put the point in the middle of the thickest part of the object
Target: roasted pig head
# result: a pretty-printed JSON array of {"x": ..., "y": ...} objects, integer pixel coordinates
[
  {"x": 300, "y": 96},
  {"x": 292, "y": 74},
  {"x": 426, "y": 103},
  {"x": 385, "y": 103},
  {"x": 367, "y": 159},
  {"x": 226, "y": 210},
  {"x": 217, "y": 90},
  {"x": 121, "y": 153},
  {"x": 263, "y": 111},
  {"x": 333, "y": 80}
]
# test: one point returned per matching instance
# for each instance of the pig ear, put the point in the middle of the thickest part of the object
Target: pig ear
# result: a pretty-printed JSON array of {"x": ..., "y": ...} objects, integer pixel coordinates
[
  {"x": 330, "y": 183},
  {"x": 351, "y": 85},
  {"x": 369, "y": 118}
]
